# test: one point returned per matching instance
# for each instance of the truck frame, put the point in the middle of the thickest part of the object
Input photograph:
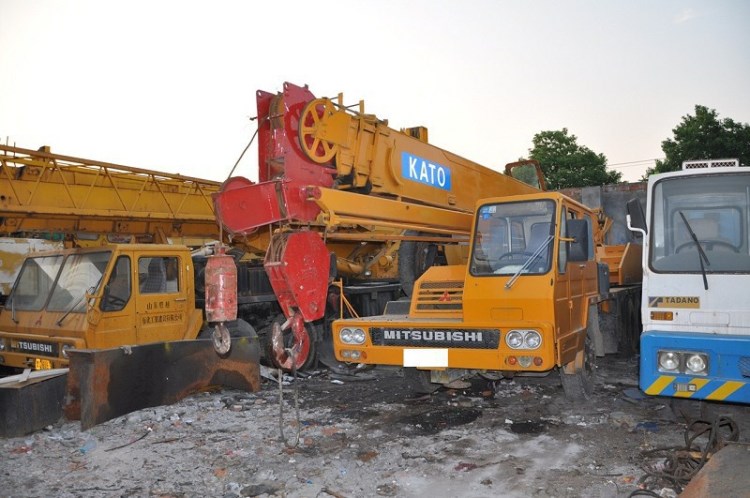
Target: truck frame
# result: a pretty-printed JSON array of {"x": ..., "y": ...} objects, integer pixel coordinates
[{"x": 696, "y": 272}]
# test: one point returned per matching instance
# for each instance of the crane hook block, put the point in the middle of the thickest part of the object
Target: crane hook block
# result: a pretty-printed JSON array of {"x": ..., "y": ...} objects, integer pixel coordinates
[{"x": 221, "y": 288}]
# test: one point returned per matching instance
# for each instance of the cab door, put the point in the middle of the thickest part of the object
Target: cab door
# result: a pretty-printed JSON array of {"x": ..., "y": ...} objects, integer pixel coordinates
[
  {"x": 582, "y": 269},
  {"x": 563, "y": 304},
  {"x": 161, "y": 313},
  {"x": 114, "y": 325}
]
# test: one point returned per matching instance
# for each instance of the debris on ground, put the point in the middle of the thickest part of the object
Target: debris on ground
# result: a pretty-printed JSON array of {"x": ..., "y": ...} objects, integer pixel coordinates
[{"x": 357, "y": 439}]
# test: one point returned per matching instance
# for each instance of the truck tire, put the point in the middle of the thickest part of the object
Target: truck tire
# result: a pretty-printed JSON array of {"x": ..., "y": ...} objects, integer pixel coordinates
[
  {"x": 579, "y": 386},
  {"x": 240, "y": 328},
  {"x": 418, "y": 381},
  {"x": 237, "y": 328},
  {"x": 413, "y": 260},
  {"x": 633, "y": 332}
]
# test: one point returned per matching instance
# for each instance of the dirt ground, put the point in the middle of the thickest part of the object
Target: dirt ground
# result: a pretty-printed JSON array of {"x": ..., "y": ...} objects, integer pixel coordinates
[{"x": 360, "y": 436}]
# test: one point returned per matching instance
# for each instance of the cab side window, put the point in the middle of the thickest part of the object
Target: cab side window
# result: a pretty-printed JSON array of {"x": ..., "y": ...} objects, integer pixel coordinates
[{"x": 158, "y": 275}]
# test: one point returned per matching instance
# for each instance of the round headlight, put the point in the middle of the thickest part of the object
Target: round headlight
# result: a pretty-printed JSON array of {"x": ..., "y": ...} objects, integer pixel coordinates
[
  {"x": 346, "y": 336},
  {"x": 533, "y": 339},
  {"x": 2, "y": 345},
  {"x": 514, "y": 339},
  {"x": 669, "y": 360},
  {"x": 696, "y": 363},
  {"x": 358, "y": 336}
]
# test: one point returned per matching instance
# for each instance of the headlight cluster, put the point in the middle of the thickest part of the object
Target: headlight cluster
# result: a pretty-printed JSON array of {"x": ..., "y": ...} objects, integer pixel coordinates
[
  {"x": 685, "y": 362},
  {"x": 523, "y": 339},
  {"x": 352, "y": 336},
  {"x": 2, "y": 345}
]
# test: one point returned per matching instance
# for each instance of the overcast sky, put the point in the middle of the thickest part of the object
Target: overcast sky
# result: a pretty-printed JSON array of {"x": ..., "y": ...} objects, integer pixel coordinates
[{"x": 171, "y": 85}]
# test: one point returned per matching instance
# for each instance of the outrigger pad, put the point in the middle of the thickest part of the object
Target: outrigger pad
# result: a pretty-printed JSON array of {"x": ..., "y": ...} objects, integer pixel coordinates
[
  {"x": 107, "y": 383},
  {"x": 27, "y": 407}
]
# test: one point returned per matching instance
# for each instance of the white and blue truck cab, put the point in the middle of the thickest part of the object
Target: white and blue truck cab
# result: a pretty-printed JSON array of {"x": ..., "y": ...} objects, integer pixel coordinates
[{"x": 696, "y": 282}]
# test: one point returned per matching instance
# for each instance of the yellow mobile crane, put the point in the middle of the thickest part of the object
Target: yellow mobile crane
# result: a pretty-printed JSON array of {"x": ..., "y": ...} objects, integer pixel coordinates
[
  {"x": 529, "y": 301},
  {"x": 50, "y": 201},
  {"x": 341, "y": 194},
  {"x": 107, "y": 294}
]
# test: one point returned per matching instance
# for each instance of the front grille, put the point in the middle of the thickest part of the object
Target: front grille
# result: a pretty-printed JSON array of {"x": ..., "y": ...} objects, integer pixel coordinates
[
  {"x": 440, "y": 296},
  {"x": 744, "y": 365}
]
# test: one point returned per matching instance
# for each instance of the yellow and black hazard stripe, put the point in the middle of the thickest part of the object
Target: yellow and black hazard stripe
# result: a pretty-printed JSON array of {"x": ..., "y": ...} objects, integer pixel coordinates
[{"x": 714, "y": 390}]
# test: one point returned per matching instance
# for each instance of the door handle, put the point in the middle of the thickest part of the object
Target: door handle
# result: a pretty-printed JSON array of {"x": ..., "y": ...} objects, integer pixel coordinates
[{"x": 180, "y": 299}]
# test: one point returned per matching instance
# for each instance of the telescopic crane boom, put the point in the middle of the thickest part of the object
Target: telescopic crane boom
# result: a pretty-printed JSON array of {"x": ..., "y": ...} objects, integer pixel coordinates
[{"x": 43, "y": 193}]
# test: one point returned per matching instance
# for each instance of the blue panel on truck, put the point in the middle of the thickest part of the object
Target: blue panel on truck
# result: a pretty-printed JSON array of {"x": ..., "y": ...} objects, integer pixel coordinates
[{"x": 727, "y": 358}]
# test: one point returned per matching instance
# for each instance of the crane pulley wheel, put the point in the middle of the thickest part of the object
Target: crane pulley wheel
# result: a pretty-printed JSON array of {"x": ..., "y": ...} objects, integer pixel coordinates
[
  {"x": 221, "y": 339},
  {"x": 312, "y": 124}
]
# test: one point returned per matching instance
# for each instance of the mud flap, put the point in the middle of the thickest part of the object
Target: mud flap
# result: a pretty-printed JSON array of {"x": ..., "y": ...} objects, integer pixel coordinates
[{"x": 108, "y": 383}]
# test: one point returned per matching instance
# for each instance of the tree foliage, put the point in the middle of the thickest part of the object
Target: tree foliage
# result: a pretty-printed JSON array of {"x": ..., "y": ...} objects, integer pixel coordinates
[
  {"x": 704, "y": 136},
  {"x": 565, "y": 163}
]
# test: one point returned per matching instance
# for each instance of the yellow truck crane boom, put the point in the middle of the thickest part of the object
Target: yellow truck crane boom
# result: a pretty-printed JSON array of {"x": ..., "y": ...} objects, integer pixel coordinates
[
  {"x": 341, "y": 193},
  {"x": 49, "y": 201},
  {"x": 43, "y": 193}
]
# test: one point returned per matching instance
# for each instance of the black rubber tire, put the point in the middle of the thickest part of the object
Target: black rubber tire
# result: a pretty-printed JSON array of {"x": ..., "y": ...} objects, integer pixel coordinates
[
  {"x": 579, "y": 386},
  {"x": 418, "y": 381},
  {"x": 237, "y": 328},
  {"x": 240, "y": 328},
  {"x": 635, "y": 327}
]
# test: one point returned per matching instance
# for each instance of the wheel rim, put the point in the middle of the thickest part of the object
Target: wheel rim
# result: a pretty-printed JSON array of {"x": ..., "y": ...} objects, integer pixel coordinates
[{"x": 221, "y": 339}]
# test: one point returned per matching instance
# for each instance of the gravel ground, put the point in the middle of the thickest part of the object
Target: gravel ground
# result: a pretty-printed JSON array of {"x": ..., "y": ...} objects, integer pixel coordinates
[{"x": 360, "y": 436}]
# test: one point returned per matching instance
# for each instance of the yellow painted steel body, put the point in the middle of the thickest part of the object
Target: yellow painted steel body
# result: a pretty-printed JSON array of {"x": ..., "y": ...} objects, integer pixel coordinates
[
  {"x": 451, "y": 299},
  {"x": 42, "y": 192},
  {"x": 35, "y": 338}
]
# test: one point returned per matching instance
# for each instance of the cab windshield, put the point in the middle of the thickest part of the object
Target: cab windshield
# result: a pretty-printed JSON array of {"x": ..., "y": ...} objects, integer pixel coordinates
[
  {"x": 511, "y": 236},
  {"x": 701, "y": 224},
  {"x": 58, "y": 281}
]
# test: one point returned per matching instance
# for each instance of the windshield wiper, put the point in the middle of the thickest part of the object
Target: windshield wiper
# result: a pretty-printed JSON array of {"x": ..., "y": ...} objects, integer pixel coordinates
[
  {"x": 701, "y": 253},
  {"x": 91, "y": 290},
  {"x": 528, "y": 262}
]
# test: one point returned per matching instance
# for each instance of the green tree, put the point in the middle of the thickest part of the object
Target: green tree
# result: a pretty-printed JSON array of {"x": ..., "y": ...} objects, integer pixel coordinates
[
  {"x": 567, "y": 164},
  {"x": 704, "y": 136}
]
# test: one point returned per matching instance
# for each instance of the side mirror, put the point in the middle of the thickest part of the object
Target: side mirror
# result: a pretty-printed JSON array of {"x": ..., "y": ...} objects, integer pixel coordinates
[
  {"x": 578, "y": 230},
  {"x": 636, "y": 218}
]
